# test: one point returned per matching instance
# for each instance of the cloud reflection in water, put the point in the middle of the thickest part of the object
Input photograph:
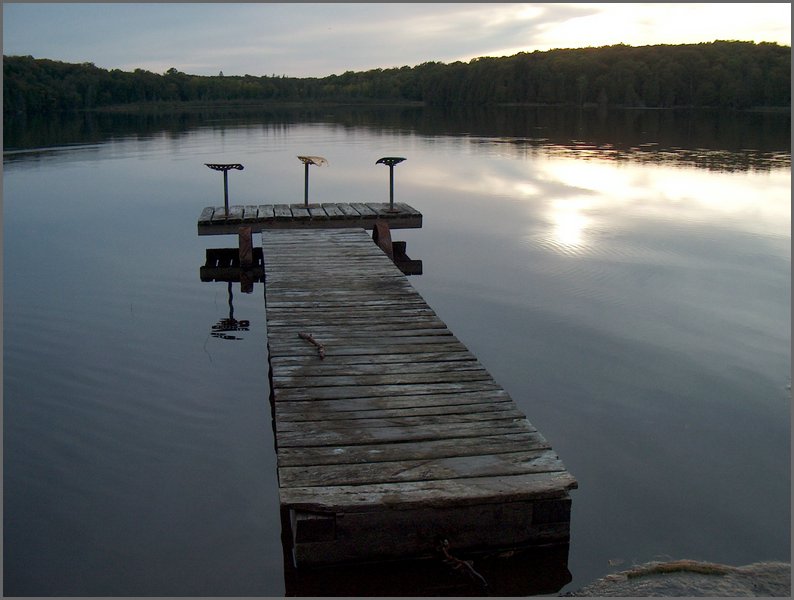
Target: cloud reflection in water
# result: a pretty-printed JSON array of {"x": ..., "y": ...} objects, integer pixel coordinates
[{"x": 581, "y": 202}]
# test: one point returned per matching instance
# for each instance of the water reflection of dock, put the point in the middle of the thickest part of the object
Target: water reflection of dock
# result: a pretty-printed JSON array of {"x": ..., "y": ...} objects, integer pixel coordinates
[
  {"x": 526, "y": 572},
  {"x": 223, "y": 264}
]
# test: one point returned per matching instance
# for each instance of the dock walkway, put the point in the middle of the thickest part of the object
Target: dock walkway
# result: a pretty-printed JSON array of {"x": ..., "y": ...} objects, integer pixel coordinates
[
  {"x": 215, "y": 220},
  {"x": 398, "y": 435}
]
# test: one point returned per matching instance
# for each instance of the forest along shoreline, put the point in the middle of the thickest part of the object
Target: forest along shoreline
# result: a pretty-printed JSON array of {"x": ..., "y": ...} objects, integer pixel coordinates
[{"x": 721, "y": 74}]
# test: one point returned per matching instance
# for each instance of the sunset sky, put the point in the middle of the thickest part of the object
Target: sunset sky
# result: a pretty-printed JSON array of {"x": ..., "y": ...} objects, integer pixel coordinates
[{"x": 315, "y": 40}]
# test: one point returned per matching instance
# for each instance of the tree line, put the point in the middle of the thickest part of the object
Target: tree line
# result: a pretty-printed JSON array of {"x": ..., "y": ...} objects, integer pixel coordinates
[{"x": 724, "y": 74}]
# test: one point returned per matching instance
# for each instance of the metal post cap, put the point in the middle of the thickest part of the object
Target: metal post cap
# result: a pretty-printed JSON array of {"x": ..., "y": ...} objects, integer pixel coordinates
[
  {"x": 313, "y": 160},
  {"x": 389, "y": 160},
  {"x": 218, "y": 167}
]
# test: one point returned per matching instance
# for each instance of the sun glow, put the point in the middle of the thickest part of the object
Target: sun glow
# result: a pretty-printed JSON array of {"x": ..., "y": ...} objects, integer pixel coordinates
[
  {"x": 569, "y": 224},
  {"x": 640, "y": 24}
]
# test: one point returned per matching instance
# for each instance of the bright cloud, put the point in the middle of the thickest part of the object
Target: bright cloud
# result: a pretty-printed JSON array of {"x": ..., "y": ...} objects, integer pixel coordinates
[{"x": 683, "y": 23}]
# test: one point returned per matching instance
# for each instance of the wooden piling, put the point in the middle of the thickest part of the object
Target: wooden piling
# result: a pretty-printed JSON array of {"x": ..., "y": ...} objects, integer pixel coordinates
[{"x": 246, "y": 247}]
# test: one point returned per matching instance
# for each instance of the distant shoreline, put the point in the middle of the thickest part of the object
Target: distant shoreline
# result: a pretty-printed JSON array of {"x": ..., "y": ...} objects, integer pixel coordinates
[
  {"x": 729, "y": 75},
  {"x": 191, "y": 106},
  {"x": 186, "y": 106}
]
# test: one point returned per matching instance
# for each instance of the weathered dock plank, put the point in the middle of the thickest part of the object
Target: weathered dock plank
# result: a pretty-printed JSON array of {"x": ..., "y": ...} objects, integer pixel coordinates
[
  {"x": 317, "y": 212},
  {"x": 425, "y": 493},
  {"x": 215, "y": 221},
  {"x": 206, "y": 216},
  {"x": 283, "y": 212},
  {"x": 337, "y": 392},
  {"x": 398, "y": 433},
  {"x": 400, "y": 368},
  {"x": 250, "y": 213},
  {"x": 436, "y": 376},
  {"x": 265, "y": 212},
  {"x": 432, "y": 403},
  {"x": 346, "y": 210},
  {"x": 486, "y": 465},
  {"x": 421, "y": 450},
  {"x": 407, "y": 416},
  {"x": 235, "y": 215},
  {"x": 324, "y": 433}
]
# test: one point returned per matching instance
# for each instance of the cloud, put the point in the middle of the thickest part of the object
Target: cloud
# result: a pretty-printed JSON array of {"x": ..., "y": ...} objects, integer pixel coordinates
[
  {"x": 681, "y": 23},
  {"x": 301, "y": 39}
]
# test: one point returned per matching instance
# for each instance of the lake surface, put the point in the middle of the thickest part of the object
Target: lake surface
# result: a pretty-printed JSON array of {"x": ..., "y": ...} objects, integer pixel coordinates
[{"x": 625, "y": 276}]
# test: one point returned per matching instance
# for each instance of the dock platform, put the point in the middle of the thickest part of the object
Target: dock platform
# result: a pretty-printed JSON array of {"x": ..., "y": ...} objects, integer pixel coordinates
[
  {"x": 390, "y": 433},
  {"x": 215, "y": 220}
]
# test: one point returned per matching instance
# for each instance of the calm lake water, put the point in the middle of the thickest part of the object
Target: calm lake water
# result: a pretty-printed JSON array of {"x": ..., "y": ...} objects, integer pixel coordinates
[{"x": 624, "y": 276}]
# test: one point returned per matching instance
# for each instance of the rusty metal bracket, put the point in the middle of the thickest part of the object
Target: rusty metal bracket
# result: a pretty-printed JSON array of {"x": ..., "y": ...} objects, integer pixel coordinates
[
  {"x": 381, "y": 235},
  {"x": 395, "y": 250}
]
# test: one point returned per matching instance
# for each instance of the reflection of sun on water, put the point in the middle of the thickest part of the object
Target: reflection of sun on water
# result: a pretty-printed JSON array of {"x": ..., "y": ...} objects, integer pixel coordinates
[{"x": 569, "y": 226}]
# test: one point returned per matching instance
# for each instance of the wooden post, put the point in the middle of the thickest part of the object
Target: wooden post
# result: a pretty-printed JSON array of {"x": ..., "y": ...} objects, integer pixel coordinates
[
  {"x": 246, "y": 281},
  {"x": 246, "y": 252},
  {"x": 246, "y": 248}
]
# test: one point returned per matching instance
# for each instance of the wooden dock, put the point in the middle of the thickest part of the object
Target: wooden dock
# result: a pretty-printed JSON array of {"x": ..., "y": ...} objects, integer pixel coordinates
[
  {"x": 398, "y": 436},
  {"x": 215, "y": 220}
]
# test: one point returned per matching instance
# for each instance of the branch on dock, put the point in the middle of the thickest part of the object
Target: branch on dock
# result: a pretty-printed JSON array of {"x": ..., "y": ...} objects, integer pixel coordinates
[
  {"x": 309, "y": 338},
  {"x": 465, "y": 566}
]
